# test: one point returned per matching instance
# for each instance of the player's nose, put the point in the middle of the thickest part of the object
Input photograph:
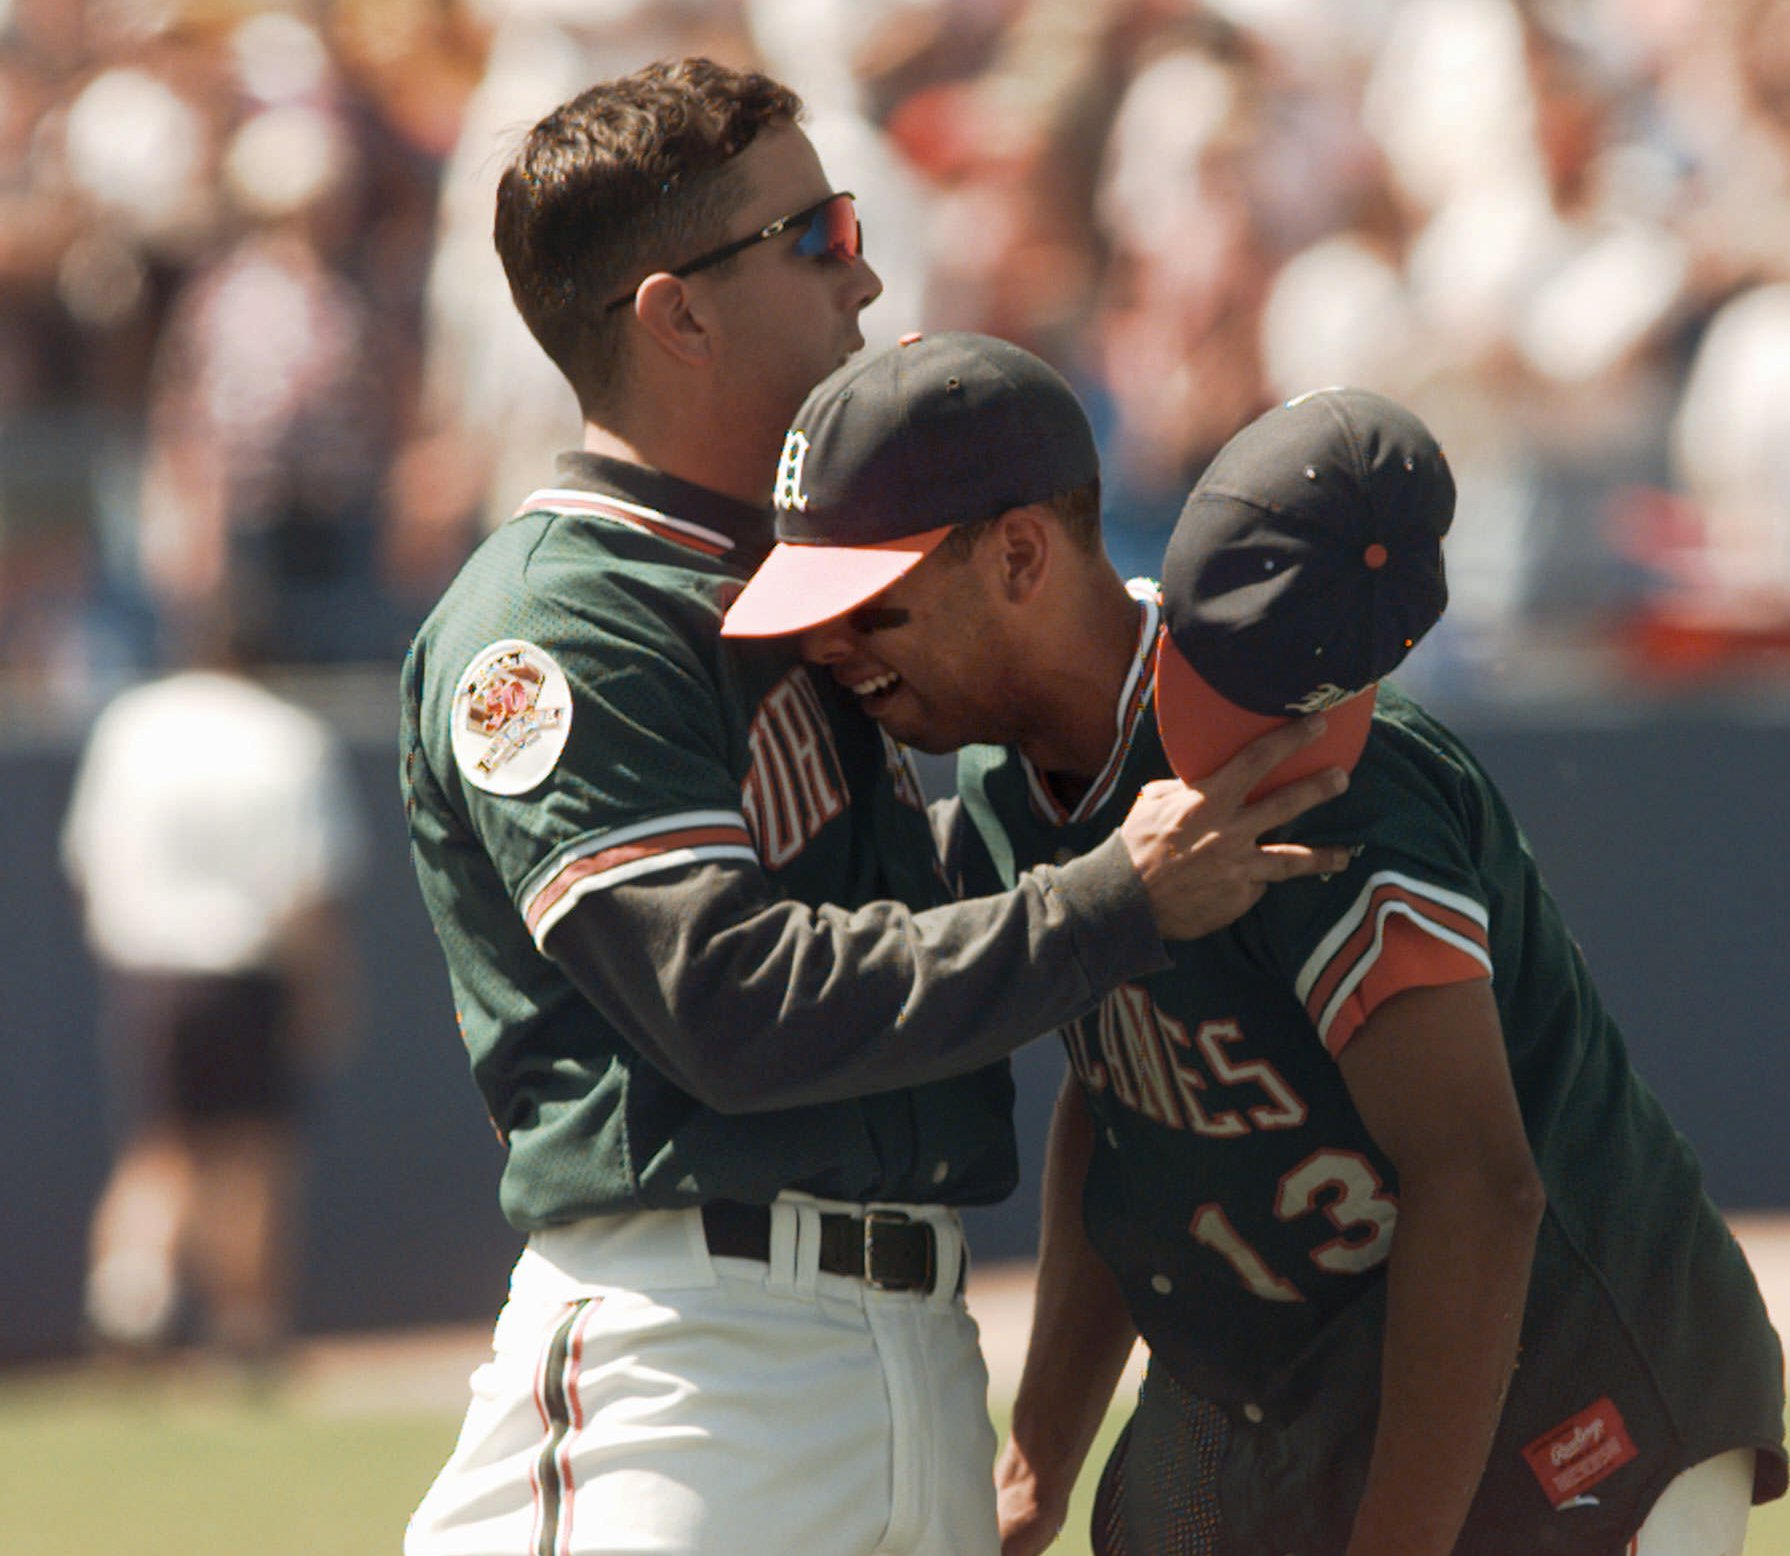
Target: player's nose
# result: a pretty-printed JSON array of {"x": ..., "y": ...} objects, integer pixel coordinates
[{"x": 865, "y": 284}]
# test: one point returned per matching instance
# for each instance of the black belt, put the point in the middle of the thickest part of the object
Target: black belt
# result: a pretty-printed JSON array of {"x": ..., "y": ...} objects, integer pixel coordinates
[{"x": 886, "y": 1249}]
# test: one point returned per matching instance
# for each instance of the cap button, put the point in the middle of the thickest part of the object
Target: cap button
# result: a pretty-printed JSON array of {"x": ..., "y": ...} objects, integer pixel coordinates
[
  {"x": 911, "y": 336},
  {"x": 1375, "y": 556}
]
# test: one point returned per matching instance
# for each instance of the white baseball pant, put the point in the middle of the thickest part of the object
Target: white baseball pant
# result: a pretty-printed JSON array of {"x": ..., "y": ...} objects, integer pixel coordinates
[
  {"x": 1702, "y": 1512},
  {"x": 644, "y": 1396}
]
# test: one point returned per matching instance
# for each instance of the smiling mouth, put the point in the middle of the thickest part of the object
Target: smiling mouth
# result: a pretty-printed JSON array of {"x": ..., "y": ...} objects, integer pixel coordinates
[{"x": 875, "y": 685}]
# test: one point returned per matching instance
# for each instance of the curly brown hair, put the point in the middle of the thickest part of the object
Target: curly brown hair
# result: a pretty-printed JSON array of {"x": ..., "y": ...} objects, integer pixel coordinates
[{"x": 628, "y": 177}]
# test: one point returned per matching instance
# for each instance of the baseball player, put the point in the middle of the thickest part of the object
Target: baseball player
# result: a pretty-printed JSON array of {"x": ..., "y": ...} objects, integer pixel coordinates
[
  {"x": 1422, "y": 1265},
  {"x": 744, "y": 1059}
]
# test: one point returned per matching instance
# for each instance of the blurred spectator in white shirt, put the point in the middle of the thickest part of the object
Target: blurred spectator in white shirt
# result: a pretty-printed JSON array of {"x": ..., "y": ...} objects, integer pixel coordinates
[{"x": 213, "y": 837}]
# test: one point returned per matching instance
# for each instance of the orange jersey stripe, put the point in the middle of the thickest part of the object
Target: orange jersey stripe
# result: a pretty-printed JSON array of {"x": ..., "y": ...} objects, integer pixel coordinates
[
  {"x": 1410, "y": 958},
  {"x": 1361, "y": 943},
  {"x": 586, "y": 866}
]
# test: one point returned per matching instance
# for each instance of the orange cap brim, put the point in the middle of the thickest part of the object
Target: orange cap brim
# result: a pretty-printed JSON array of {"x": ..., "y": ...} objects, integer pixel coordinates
[
  {"x": 800, "y": 586},
  {"x": 1201, "y": 730}
]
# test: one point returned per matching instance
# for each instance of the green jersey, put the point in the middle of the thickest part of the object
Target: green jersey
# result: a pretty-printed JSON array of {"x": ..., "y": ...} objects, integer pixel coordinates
[
  {"x": 1249, "y": 1213},
  {"x": 688, "y": 898}
]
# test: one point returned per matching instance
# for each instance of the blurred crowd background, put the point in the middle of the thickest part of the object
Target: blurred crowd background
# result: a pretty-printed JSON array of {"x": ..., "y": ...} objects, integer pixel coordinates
[
  {"x": 262, "y": 389},
  {"x": 255, "y": 346}
]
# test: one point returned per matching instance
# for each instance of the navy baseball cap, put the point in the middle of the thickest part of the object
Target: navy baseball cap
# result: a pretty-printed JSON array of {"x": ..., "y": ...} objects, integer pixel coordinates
[
  {"x": 1307, "y": 562},
  {"x": 893, "y": 451}
]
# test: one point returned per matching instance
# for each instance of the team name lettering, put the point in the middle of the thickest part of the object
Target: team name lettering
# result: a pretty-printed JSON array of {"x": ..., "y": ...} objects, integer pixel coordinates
[
  {"x": 1154, "y": 1067},
  {"x": 796, "y": 785}
]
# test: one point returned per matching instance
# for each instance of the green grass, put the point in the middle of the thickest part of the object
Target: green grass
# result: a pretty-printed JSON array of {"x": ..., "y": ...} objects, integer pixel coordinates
[
  {"x": 123, "y": 1470},
  {"x": 1769, "y": 1532},
  {"x": 101, "y": 1465}
]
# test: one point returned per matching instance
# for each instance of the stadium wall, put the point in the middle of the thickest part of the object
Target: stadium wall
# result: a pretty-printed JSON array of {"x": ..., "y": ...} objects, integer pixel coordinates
[{"x": 1665, "y": 833}]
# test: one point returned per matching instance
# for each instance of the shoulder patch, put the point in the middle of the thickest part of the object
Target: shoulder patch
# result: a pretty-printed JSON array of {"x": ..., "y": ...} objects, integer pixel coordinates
[{"x": 512, "y": 716}]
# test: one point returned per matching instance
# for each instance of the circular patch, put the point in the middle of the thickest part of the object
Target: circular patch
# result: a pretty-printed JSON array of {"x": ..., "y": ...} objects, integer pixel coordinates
[{"x": 512, "y": 714}]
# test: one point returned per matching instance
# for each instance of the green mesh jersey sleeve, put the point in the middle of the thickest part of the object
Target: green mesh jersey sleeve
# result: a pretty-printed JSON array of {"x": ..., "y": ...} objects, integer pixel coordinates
[{"x": 634, "y": 760}]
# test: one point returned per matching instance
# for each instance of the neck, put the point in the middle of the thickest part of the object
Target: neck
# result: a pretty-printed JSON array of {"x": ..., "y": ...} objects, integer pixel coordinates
[
  {"x": 1083, "y": 669},
  {"x": 738, "y": 472},
  {"x": 682, "y": 426}
]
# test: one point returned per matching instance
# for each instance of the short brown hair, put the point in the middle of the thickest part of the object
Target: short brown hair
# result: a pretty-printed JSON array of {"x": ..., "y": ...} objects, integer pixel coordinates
[
  {"x": 626, "y": 178},
  {"x": 1077, "y": 511}
]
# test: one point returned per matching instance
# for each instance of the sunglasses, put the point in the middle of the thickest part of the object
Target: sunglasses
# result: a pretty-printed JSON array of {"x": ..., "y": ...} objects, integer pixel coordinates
[{"x": 828, "y": 229}]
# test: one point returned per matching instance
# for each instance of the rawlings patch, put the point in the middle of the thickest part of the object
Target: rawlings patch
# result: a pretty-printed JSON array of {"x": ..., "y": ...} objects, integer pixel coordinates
[
  {"x": 512, "y": 715},
  {"x": 1577, "y": 1454}
]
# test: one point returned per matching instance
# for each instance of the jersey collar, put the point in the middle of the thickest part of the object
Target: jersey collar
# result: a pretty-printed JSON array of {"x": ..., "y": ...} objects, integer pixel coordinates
[
  {"x": 1135, "y": 695},
  {"x": 676, "y": 509}
]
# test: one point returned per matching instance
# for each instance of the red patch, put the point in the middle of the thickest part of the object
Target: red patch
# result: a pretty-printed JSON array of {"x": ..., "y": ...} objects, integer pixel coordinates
[{"x": 1577, "y": 1454}]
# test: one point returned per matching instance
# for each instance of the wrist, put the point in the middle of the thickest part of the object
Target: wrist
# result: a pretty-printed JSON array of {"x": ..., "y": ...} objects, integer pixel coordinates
[
  {"x": 1020, "y": 1481},
  {"x": 1113, "y": 913}
]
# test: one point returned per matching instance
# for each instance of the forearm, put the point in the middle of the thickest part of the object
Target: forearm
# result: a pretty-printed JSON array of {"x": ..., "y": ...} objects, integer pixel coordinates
[
  {"x": 1457, "y": 1283},
  {"x": 1081, "y": 1338},
  {"x": 751, "y": 1004}
]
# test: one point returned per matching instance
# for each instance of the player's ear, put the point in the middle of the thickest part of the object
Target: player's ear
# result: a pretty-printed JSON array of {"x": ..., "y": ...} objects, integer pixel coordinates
[
  {"x": 1020, "y": 552},
  {"x": 666, "y": 309}
]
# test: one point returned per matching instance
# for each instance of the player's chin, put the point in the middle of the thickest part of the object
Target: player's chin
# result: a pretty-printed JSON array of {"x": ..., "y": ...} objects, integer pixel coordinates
[{"x": 918, "y": 736}]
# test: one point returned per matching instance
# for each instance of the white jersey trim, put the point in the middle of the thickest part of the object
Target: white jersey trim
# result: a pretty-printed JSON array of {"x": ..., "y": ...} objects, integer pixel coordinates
[
  {"x": 558, "y": 499},
  {"x": 1135, "y": 698},
  {"x": 1352, "y": 981},
  {"x": 618, "y": 837},
  {"x": 672, "y": 859},
  {"x": 553, "y": 869},
  {"x": 1357, "y": 915}
]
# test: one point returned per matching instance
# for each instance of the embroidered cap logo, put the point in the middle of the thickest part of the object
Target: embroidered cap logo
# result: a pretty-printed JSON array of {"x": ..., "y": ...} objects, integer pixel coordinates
[
  {"x": 789, "y": 492},
  {"x": 1321, "y": 697}
]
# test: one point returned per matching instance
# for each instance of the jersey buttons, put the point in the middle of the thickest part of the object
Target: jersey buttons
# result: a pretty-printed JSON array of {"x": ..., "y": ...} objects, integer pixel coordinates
[
  {"x": 1252, "y": 1413},
  {"x": 941, "y": 1172},
  {"x": 1161, "y": 1285}
]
